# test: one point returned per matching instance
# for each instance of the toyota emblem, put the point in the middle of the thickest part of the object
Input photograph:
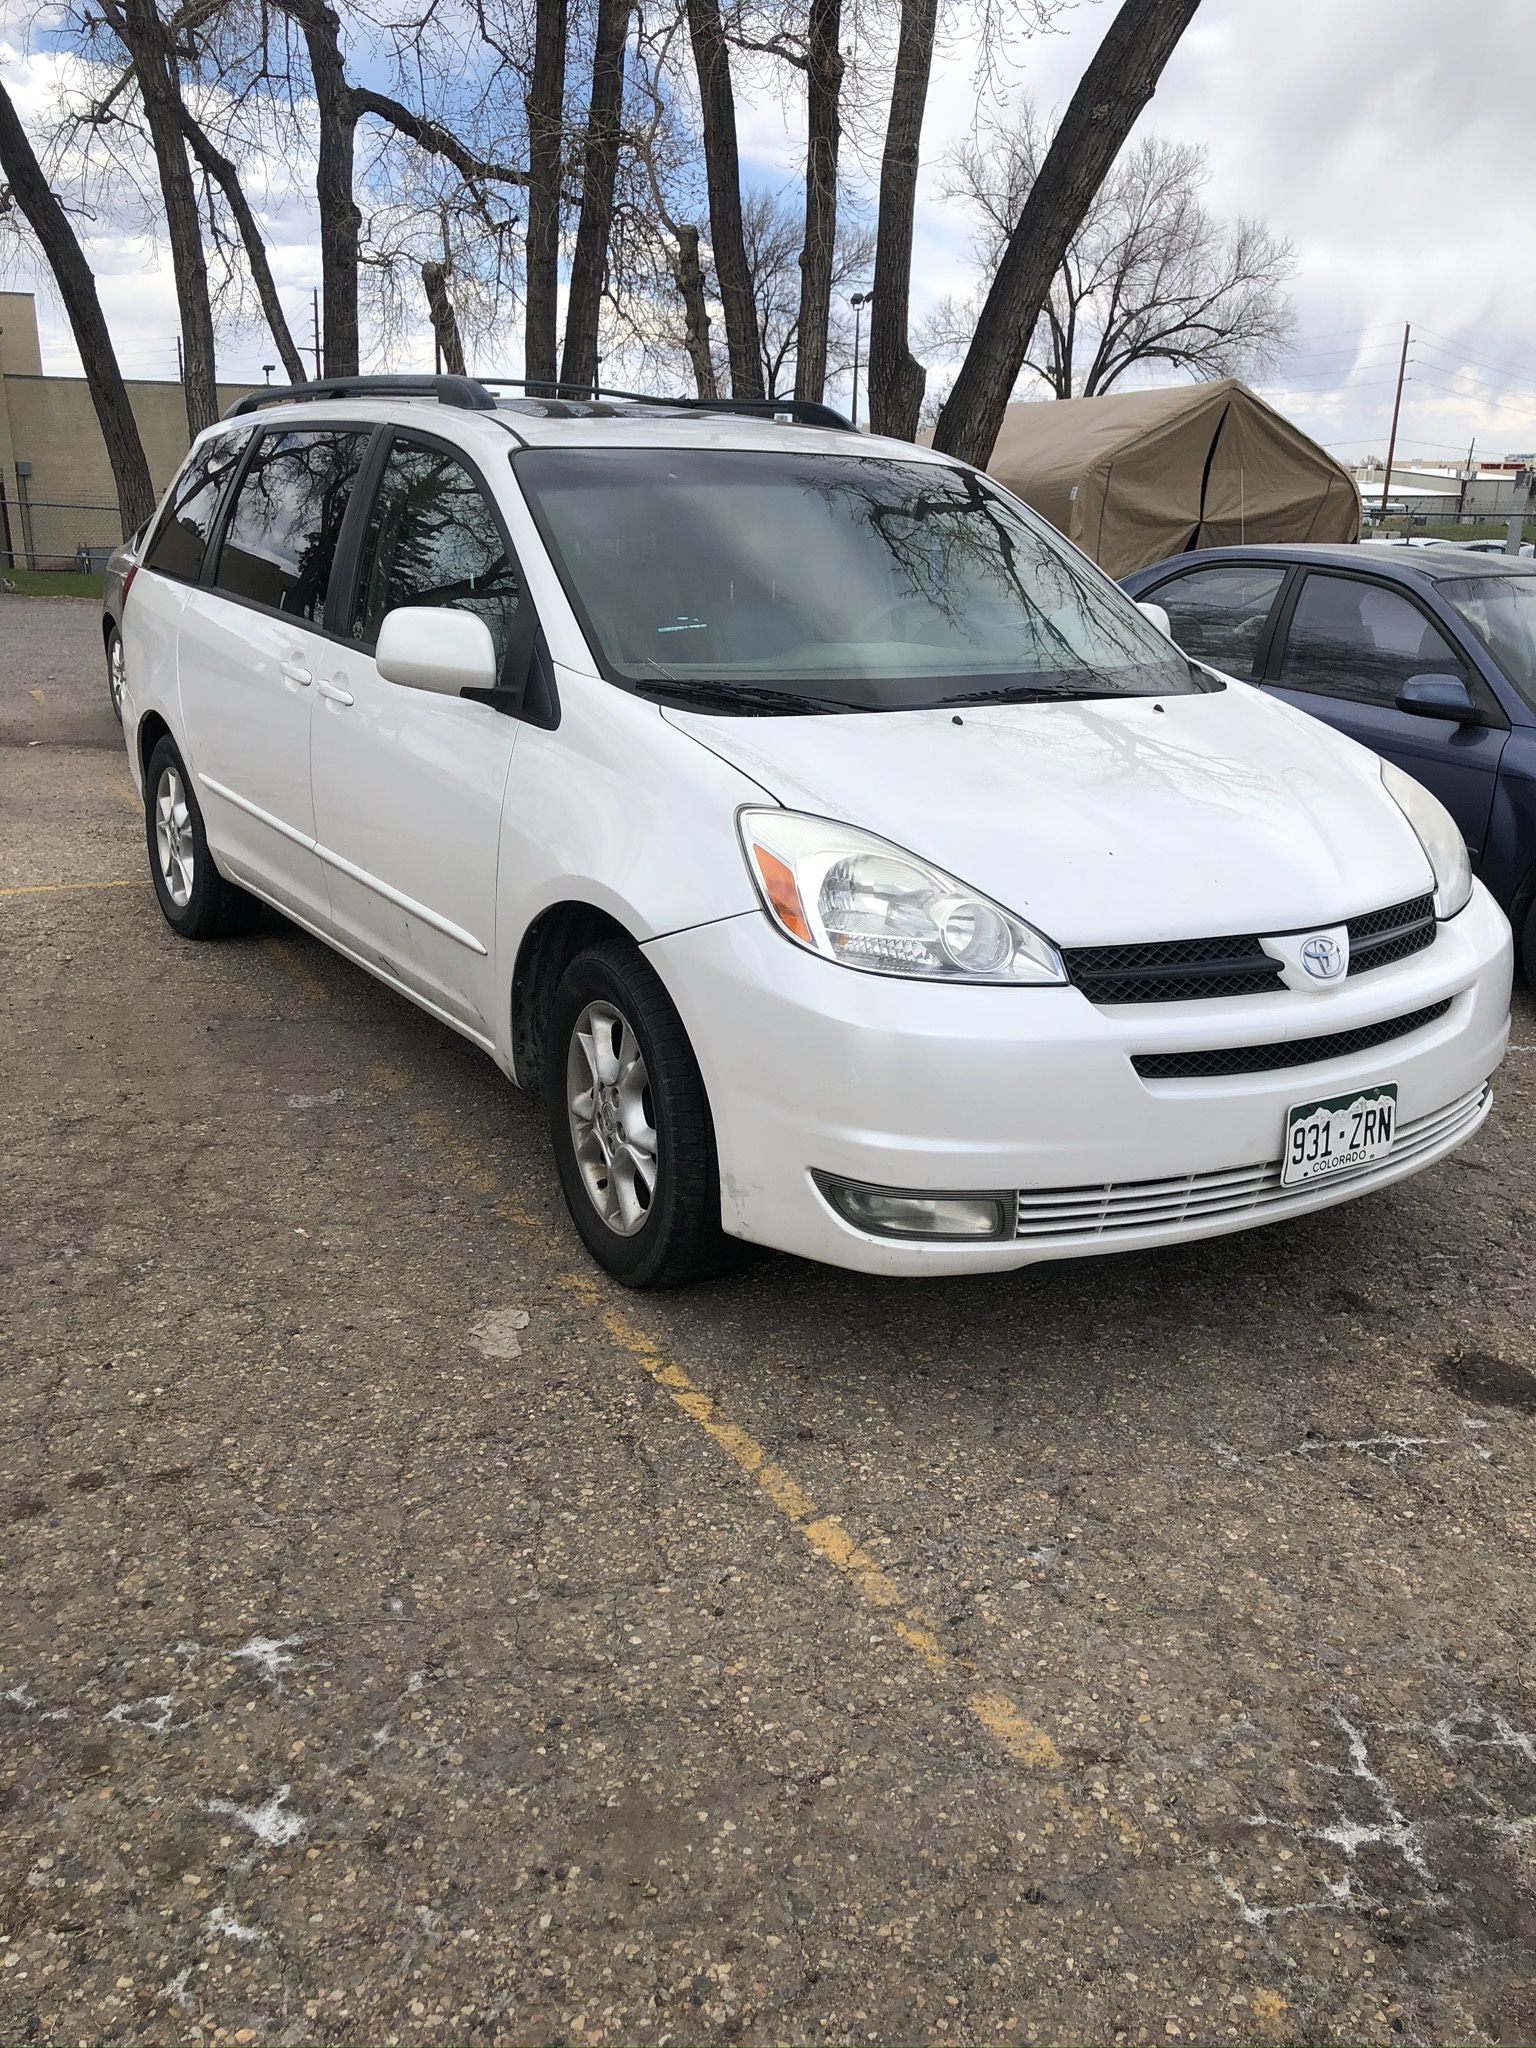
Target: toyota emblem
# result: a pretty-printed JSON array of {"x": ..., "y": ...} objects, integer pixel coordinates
[{"x": 1322, "y": 957}]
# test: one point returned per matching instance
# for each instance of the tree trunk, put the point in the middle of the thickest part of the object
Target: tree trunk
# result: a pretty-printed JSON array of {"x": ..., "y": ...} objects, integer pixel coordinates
[
  {"x": 154, "y": 65},
  {"x": 445, "y": 322},
  {"x": 689, "y": 272},
  {"x": 223, "y": 173},
  {"x": 340, "y": 220},
  {"x": 823, "y": 86},
  {"x": 29, "y": 189},
  {"x": 545, "y": 106},
  {"x": 1116, "y": 86},
  {"x": 600, "y": 162},
  {"x": 717, "y": 102},
  {"x": 896, "y": 378}
]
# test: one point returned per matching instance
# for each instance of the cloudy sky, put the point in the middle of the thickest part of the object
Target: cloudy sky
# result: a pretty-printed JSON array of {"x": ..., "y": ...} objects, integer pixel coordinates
[{"x": 1389, "y": 143}]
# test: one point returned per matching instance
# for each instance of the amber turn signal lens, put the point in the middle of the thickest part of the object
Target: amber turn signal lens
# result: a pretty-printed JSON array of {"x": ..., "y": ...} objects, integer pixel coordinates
[{"x": 783, "y": 896}]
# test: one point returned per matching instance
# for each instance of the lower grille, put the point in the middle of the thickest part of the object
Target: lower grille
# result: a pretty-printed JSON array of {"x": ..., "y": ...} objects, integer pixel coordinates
[
  {"x": 1122, "y": 1207},
  {"x": 1291, "y": 1052}
]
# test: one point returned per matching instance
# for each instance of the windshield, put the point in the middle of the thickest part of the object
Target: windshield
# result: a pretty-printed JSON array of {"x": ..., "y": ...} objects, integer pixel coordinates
[
  {"x": 1501, "y": 610},
  {"x": 762, "y": 582}
]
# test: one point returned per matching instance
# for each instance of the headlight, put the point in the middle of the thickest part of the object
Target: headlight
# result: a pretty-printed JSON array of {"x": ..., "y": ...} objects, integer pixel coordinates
[
  {"x": 1439, "y": 835},
  {"x": 852, "y": 897}
]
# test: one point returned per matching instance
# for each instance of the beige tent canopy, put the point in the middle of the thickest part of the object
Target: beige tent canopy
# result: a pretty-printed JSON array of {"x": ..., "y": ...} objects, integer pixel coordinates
[{"x": 1136, "y": 476}]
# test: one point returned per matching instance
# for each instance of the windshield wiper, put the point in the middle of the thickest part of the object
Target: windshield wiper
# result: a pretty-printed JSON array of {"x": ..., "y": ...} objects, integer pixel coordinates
[{"x": 699, "y": 694}]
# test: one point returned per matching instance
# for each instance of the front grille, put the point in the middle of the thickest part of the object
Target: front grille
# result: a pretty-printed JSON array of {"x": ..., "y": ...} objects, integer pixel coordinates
[
  {"x": 1291, "y": 1052},
  {"x": 1172, "y": 970},
  {"x": 1185, "y": 970},
  {"x": 1121, "y": 1208},
  {"x": 1382, "y": 936}
]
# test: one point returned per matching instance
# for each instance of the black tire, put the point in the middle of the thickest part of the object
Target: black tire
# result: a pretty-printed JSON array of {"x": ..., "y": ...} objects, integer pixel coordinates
[
  {"x": 212, "y": 908},
  {"x": 115, "y": 672},
  {"x": 680, "y": 1239}
]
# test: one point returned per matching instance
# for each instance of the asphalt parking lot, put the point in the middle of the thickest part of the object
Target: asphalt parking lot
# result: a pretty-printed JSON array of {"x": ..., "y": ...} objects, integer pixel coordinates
[{"x": 405, "y": 1635}]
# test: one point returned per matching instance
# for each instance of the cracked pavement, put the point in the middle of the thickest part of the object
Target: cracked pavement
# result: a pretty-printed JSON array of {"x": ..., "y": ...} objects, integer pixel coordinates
[{"x": 406, "y": 1636}]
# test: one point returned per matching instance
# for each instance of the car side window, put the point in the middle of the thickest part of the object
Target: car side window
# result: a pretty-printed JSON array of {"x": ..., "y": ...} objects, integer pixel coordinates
[
  {"x": 178, "y": 543},
  {"x": 280, "y": 538},
  {"x": 432, "y": 538},
  {"x": 1219, "y": 614},
  {"x": 1351, "y": 638}
]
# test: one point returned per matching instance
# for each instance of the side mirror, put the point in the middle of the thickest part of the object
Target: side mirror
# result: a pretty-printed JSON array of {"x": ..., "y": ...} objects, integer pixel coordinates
[
  {"x": 1157, "y": 615},
  {"x": 432, "y": 647},
  {"x": 1438, "y": 697}
]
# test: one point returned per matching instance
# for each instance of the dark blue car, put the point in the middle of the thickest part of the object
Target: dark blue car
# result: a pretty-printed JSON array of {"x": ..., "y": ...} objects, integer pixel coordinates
[{"x": 1427, "y": 655}]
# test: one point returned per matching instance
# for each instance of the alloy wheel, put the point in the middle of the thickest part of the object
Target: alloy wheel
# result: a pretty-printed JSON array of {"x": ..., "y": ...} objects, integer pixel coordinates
[
  {"x": 173, "y": 837},
  {"x": 613, "y": 1118},
  {"x": 115, "y": 672}
]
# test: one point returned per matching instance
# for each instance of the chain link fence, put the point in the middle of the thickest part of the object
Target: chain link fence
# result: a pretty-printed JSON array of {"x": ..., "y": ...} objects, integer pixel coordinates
[{"x": 46, "y": 533}]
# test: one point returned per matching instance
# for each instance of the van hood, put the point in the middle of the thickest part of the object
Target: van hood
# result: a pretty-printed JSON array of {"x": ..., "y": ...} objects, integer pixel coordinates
[{"x": 1108, "y": 821}]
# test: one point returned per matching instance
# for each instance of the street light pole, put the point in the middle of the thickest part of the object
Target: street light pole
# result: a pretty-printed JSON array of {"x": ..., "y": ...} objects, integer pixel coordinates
[{"x": 858, "y": 301}]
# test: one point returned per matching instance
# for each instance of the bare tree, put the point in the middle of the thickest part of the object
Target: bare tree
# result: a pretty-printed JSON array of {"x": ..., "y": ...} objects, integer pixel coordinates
[
  {"x": 1121, "y": 77},
  {"x": 27, "y": 188},
  {"x": 1149, "y": 277},
  {"x": 654, "y": 234},
  {"x": 545, "y": 110},
  {"x": 599, "y": 170},
  {"x": 435, "y": 274},
  {"x": 717, "y": 103},
  {"x": 152, "y": 50},
  {"x": 896, "y": 378},
  {"x": 220, "y": 170},
  {"x": 773, "y": 233}
]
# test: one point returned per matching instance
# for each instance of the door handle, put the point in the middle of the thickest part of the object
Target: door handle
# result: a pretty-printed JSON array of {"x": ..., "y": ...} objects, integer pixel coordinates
[
  {"x": 296, "y": 672},
  {"x": 335, "y": 692}
]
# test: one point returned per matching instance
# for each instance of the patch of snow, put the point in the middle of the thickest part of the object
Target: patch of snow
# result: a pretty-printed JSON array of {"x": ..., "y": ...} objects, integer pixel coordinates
[
  {"x": 267, "y": 1655},
  {"x": 222, "y": 1922},
  {"x": 137, "y": 1714},
  {"x": 267, "y": 1822}
]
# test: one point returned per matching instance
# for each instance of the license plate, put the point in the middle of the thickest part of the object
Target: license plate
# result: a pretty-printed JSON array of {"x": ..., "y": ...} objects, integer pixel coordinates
[{"x": 1346, "y": 1131}]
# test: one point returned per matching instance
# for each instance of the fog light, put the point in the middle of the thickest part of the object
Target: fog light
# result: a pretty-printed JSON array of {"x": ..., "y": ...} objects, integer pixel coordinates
[{"x": 909, "y": 1212}]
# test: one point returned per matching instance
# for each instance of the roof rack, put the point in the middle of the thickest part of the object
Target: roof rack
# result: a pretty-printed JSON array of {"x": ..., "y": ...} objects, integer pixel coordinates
[
  {"x": 806, "y": 412},
  {"x": 464, "y": 392},
  {"x": 476, "y": 394}
]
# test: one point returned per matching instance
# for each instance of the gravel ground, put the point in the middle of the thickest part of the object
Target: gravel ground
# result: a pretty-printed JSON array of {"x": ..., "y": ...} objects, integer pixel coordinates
[{"x": 406, "y": 1636}]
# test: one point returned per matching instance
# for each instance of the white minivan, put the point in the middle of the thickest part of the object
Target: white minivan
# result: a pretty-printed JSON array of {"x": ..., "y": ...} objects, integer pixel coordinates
[{"x": 849, "y": 864}]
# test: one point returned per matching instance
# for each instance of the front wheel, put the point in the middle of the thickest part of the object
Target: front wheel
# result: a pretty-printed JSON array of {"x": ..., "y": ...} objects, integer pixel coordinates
[
  {"x": 631, "y": 1125},
  {"x": 197, "y": 901}
]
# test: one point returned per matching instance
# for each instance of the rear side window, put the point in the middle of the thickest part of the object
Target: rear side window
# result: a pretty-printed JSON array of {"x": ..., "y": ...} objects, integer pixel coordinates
[
  {"x": 433, "y": 539},
  {"x": 280, "y": 539},
  {"x": 1350, "y": 638},
  {"x": 1219, "y": 614},
  {"x": 177, "y": 547}
]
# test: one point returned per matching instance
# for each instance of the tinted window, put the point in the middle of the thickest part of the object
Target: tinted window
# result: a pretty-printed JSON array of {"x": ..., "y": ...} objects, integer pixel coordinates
[
  {"x": 1349, "y": 638},
  {"x": 1219, "y": 615},
  {"x": 1501, "y": 610},
  {"x": 759, "y": 582},
  {"x": 177, "y": 548},
  {"x": 432, "y": 539},
  {"x": 284, "y": 524}
]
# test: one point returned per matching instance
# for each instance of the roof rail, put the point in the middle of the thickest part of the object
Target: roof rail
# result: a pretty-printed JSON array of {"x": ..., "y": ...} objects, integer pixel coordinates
[
  {"x": 805, "y": 412},
  {"x": 467, "y": 393}
]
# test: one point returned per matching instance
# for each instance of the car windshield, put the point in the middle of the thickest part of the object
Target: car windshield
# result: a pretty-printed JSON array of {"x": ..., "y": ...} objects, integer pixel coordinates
[
  {"x": 1501, "y": 610},
  {"x": 761, "y": 582}
]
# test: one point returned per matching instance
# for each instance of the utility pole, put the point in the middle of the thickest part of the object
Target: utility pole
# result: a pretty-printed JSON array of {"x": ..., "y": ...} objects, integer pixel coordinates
[
  {"x": 181, "y": 368},
  {"x": 1467, "y": 474},
  {"x": 315, "y": 302},
  {"x": 1386, "y": 482}
]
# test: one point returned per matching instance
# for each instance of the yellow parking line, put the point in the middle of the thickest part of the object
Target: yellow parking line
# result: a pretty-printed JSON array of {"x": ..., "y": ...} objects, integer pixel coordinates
[
  {"x": 988, "y": 1705},
  {"x": 38, "y": 695},
  {"x": 128, "y": 794},
  {"x": 63, "y": 888}
]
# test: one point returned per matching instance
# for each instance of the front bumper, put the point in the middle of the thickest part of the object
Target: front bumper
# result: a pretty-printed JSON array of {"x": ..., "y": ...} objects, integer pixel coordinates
[{"x": 811, "y": 1066}]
